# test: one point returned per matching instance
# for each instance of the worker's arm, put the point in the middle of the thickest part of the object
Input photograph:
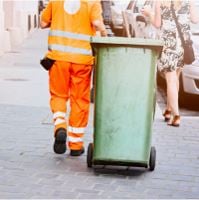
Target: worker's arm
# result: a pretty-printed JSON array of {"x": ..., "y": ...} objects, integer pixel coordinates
[
  {"x": 46, "y": 16},
  {"x": 96, "y": 18},
  {"x": 99, "y": 26}
]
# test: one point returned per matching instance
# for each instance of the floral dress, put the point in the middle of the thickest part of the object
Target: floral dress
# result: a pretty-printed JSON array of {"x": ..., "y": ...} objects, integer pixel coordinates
[{"x": 172, "y": 54}]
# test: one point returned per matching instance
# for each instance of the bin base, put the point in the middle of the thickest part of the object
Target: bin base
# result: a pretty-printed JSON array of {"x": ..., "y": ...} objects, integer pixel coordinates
[
  {"x": 91, "y": 161},
  {"x": 119, "y": 163}
]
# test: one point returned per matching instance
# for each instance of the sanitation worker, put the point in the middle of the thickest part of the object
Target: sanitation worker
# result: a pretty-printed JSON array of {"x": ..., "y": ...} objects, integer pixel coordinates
[{"x": 69, "y": 61}]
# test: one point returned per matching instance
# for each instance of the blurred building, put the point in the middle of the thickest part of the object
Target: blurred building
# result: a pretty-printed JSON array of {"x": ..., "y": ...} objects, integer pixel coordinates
[{"x": 18, "y": 18}]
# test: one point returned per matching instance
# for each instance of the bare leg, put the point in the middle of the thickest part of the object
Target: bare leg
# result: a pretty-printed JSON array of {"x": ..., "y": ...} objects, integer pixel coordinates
[
  {"x": 178, "y": 72},
  {"x": 168, "y": 107},
  {"x": 172, "y": 91},
  {"x": 167, "y": 111}
]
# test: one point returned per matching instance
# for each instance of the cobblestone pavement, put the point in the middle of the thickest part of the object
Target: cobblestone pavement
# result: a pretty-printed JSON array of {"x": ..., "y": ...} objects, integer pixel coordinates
[{"x": 30, "y": 169}]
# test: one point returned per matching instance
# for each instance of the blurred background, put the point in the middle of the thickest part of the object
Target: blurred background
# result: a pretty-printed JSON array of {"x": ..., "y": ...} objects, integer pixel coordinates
[
  {"x": 20, "y": 18},
  {"x": 17, "y": 19}
]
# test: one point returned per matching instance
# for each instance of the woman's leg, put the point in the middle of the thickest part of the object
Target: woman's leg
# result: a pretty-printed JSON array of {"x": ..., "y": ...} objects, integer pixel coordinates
[
  {"x": 178, "y": 72},
  {"x": 172, "y": 91},
  {"x": 167, "y": 112}
]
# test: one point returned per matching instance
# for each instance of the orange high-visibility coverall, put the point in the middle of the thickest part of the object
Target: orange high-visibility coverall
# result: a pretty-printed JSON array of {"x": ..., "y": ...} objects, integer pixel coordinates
[{"x": 69, "y": 78}]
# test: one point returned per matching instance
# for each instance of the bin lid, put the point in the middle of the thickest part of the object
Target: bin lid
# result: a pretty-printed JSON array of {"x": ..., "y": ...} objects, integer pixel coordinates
[{"x": 147, "y": 43}]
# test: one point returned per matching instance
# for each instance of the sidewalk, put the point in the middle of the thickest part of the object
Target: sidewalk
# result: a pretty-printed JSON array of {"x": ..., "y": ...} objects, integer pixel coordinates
[{"x": 30, "y": 169}]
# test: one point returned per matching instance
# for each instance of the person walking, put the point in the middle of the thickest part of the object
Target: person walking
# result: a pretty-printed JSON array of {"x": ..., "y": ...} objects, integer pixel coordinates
[
  {"x": 171, "y": 60},
  {"x": 71, "y": 23}
]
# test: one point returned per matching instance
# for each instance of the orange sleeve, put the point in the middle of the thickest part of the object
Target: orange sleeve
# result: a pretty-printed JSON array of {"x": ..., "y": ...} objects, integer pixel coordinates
[
  {"x": 96, "y": 11},
  {"x": 46, "y": 15}
]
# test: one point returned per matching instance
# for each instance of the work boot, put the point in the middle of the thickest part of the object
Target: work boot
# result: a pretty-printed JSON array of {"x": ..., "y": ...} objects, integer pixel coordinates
[
  {"x": 77, "y": 152},
  {"x": 60, "y": 141}
]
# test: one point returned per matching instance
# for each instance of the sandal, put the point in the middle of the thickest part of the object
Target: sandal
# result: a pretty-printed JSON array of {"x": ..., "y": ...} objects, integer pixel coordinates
[
  {"x": 167, "y": 115},
  {"x": 175, "y": 122}
]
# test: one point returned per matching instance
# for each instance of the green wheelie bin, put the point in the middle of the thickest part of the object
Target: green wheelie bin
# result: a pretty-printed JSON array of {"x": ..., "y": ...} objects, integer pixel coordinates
[{"x": 125, "y": 85}]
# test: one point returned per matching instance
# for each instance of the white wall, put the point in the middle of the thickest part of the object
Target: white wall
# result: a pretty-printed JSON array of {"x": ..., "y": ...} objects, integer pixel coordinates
[
  {"x": 14, "y": 21},
  {"x": 26, "y": 5},
  {"x": 23, "y": 8},
  {"x": 8, "y": 9},
  {"x": 1, "y": 27}
]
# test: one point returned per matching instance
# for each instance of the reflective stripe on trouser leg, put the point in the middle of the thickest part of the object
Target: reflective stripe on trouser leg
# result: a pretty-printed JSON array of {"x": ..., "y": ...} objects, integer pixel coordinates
[
  {"x": 79, "y": 102},
  {"x": 75, "y": 137},
  {"x": 59, "y": 120},
  {"x": 59, "y": 91}
]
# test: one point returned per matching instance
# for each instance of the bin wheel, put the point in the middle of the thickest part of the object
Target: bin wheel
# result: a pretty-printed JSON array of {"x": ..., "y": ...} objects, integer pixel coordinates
[
  {"x": 152, "y": 159},
  {"x": 90, "y": 155}
]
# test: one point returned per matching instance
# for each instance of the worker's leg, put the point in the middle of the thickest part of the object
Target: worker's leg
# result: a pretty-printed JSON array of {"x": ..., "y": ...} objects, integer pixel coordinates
[
  {"x": 59, "y": 91},
  {"x": 79, "y": 101}
]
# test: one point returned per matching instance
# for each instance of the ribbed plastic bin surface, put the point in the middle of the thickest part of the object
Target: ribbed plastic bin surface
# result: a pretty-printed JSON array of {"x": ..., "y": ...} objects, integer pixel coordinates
[{"x": 125, "y": 80}]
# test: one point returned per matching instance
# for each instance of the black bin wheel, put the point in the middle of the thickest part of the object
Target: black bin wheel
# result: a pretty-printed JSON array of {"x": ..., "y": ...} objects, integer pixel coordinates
[
  {"x": 152, "y": 159},
  {"x": 90, "y": 155}
]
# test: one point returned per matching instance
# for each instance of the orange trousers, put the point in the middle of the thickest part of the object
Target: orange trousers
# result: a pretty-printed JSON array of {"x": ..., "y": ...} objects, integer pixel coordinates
[{"x": 69, "y": 81}]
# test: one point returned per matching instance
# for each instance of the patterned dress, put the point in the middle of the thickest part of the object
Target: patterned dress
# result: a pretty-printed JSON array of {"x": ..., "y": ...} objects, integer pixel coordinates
[{"x": 172, "y": 54}]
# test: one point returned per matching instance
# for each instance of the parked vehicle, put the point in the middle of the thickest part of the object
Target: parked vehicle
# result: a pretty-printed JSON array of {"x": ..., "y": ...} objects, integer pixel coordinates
[
  {"x": 127, "y": 21},
  {"x": 189, "y": 80}
]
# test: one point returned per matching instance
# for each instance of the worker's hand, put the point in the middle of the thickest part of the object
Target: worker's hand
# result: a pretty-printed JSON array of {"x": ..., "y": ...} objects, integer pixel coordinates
[
  {"x": 44, "y": 25},
  {"x": 103, "y": 33},
  {"x": 99, "y": 26}
]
